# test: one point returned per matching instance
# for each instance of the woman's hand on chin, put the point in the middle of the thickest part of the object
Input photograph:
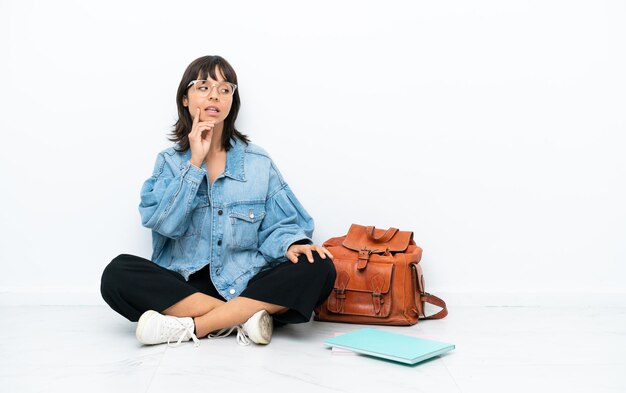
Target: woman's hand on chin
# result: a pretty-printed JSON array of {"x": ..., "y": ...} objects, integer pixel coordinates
[{"x": 200, "y": 139}]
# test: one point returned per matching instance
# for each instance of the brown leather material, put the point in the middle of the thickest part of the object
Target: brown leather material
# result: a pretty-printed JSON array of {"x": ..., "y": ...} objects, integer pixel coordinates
[
  {"x": 432, "y": 299},
  {"x": 418, "y": 284},
  {"x": 377, "y": 240},
  {"x": 379, "y": 279},
  {"x": 384, "y": 238},
  {"x": 341, "y": 282}
]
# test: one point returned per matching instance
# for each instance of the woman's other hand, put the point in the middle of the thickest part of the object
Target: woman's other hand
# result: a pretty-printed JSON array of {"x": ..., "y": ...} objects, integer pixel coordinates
[
  {"x": 295, "y": 250},
  {"x": 200, "y": 139}
]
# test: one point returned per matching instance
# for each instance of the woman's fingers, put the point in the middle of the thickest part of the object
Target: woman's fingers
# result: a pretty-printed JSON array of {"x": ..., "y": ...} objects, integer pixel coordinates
[
  {"x": 324, "y": 252},
  {"x": 196, "y": 119},
  {"x": 206, "y": 133},
  {"x": 194, "y": 124},
  {"x": 198, "y": 126},
  {"x": 309, "y": 253},
  {"x": 201, "y": 131},
  {"x": 200, "y": 138},
  {"x": 295, "y": 251},
  {"x": 203, "y": 126},
  {"x": 292, "y": 256},
  {"x": 319, "y": 250},
  {"x": 307, "y": 249}
]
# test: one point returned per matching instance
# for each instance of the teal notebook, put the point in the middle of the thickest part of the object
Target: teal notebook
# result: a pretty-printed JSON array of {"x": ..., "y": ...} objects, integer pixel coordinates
[{"x": 392, "y": 346}]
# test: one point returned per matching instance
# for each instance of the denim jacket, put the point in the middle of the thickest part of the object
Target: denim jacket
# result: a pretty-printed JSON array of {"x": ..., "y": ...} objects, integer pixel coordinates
[{"x": 241, "y": 224}]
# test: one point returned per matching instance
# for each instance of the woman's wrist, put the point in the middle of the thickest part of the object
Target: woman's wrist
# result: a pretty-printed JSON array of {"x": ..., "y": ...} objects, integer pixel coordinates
[{"x": 196, "y": 163}]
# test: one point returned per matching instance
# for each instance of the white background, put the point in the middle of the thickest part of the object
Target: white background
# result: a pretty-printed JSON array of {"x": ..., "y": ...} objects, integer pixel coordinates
[{"x": 493, "y": 130}]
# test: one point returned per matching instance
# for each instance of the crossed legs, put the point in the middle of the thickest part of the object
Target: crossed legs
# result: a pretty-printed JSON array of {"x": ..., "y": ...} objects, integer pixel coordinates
[
  {"x": 211, "y": 314},
  {"x": 131, "y": 285}
]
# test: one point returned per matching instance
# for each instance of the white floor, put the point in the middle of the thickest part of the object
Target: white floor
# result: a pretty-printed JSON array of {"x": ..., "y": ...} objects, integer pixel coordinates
[{"x": 498, "y": 349}]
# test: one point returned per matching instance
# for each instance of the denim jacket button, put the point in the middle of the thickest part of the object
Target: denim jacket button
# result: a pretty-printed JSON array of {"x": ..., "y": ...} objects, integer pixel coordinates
[
  {"x": 220, "y": 212},
  {"x": 219, "y": 242},
  {"x": 232, "y": 291}
]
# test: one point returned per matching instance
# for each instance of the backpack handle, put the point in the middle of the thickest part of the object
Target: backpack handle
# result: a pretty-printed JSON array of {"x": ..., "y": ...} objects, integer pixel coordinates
[{"x": 384, "y": 238}]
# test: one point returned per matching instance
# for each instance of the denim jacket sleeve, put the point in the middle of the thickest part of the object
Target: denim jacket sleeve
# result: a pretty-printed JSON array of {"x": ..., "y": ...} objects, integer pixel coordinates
[
  {"x": 167, "y": 197},
  {"x": 286, "y": 221}
]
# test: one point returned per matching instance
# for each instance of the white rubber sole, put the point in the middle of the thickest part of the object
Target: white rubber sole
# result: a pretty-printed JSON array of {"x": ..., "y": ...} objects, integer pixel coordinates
[
  {"x": 264, "y": 321},
  {"x": 144, "y": 320}
]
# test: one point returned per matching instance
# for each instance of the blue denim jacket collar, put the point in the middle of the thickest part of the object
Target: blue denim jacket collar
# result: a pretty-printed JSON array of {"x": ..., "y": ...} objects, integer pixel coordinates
[{"x": 234, "y": 160}]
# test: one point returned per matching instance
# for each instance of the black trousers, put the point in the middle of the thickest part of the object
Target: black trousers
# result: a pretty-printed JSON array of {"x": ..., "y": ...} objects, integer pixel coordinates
[{"x": 132, "y": 285}]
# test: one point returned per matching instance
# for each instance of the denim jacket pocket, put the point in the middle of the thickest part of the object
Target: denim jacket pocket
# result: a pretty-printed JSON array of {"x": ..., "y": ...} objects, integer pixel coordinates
[
  {"x": 197, "y": 215},
  {"x": 245, "y": 220}
]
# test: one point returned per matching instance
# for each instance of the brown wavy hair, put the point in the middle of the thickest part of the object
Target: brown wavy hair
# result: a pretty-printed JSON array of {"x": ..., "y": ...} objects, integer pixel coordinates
[{"x": 203, "y": 67}]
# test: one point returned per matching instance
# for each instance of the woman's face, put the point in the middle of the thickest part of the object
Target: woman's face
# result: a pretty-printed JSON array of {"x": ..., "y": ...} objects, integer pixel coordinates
[{"x": 213, "y": 106}]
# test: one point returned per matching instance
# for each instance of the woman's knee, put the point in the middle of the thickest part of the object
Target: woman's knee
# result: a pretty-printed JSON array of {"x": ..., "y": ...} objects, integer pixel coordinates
[
  {"x": 327, "y": 275},
  {"x": 114, "y": 273},
  {"x": 325, "y": 266}
]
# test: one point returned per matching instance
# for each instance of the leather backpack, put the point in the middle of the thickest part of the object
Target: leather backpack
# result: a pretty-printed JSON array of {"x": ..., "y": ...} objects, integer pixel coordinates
[{"x": 379, "y": 279}]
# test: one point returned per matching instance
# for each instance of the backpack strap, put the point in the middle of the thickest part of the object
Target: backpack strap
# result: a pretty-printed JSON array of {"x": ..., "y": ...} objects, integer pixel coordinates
[
  {"x": 432, "y": 299},
  {"x": 422, "y": 296}
]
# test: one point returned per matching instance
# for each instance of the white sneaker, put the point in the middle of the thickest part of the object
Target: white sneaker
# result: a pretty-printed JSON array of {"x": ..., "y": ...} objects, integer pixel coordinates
[
  {"x": 257, "y": 329},
  {"x": 155, "y": 328}
]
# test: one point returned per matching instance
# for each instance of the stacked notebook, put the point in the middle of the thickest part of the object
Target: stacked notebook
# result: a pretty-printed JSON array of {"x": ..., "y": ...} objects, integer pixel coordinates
[{"x": 387, "y": 345}]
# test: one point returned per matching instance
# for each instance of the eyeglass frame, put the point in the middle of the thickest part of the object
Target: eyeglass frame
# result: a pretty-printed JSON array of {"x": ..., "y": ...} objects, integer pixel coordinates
[{"x": 214, "y": 85}]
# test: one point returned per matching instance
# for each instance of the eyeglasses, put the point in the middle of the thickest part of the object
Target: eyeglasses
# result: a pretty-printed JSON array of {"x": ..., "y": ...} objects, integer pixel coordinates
[{"x": 204, "y": 87}]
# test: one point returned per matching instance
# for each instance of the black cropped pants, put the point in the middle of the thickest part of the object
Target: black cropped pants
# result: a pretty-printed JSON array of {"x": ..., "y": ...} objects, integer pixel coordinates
[{"x": 132, "y": 285}]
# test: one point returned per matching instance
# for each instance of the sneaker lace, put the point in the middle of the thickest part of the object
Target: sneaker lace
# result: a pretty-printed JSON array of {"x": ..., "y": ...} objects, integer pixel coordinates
[
  {"x": 182, "y": 331},
  {"x": 242, "y": 337}
]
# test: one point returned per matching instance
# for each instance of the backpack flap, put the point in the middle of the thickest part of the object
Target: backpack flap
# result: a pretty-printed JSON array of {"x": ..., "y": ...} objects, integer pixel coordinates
[
  {"x": 361, "y": 291},
  {"x": 377, "y": 241}
]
